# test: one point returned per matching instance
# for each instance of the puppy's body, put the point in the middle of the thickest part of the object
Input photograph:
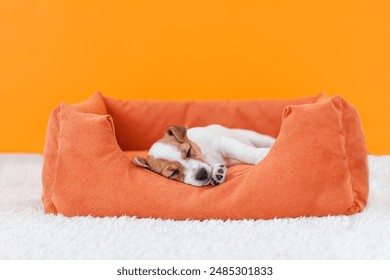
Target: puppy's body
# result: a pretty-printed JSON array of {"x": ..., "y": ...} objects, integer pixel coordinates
[
  {"x": 230, "y": 146},
  {"x": 200, "y": 155}
]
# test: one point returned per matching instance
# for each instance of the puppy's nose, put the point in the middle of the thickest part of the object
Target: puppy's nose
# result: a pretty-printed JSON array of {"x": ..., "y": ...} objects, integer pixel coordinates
[{"x": 202, "y": 175}]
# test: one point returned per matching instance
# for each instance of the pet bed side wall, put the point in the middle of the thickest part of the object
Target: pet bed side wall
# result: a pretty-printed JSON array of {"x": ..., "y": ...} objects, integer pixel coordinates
[
  {"x": 50, "y": 160},
  {"x": 139, "y": 123},
  {"x": 312, "y": 170},
  {"x": 356, "y": 153},
  {"x": 94, "y": 105}
]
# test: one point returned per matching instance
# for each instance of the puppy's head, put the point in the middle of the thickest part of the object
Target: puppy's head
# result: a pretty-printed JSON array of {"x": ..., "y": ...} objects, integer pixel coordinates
[{"x": 178, "y": 158}]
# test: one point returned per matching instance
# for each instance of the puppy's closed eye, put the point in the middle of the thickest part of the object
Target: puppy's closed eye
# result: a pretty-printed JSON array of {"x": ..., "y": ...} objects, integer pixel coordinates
[{"x": 174, "y": 173}]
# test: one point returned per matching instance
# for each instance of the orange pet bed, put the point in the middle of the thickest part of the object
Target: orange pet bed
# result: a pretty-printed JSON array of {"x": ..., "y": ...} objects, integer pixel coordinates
[{"x": 317, "y": 167}]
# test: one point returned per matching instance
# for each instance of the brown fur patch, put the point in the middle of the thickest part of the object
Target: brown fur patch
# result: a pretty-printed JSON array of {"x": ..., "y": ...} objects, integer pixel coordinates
[
  {"x": 166, "y": 168},
  {"x": 184, "y": 146}
]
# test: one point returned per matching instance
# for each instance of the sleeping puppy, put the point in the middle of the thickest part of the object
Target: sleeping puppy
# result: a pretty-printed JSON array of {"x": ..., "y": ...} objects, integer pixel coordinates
[{"x": 200, "y": 155}]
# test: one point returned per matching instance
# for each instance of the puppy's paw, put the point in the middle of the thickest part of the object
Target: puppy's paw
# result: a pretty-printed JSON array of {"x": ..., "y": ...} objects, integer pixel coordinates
[{"x": 218, "y": 174}]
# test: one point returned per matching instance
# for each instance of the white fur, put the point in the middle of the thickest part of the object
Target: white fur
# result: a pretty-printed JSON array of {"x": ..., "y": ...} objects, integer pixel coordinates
[{"x": 230, "y": 146}]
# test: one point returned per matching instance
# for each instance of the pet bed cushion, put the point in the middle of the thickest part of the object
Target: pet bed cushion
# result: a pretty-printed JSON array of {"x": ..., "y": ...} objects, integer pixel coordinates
[{"x": 317, "y": 167}]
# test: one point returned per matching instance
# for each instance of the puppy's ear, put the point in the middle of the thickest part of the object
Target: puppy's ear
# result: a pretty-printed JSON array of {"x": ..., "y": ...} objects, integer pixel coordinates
[
  {"x": 178, "y": 131},
  {"x": 140, "y": 162}
]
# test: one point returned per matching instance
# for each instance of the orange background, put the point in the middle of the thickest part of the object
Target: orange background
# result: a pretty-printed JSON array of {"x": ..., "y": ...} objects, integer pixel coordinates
[{"x": 53, "y": 51}]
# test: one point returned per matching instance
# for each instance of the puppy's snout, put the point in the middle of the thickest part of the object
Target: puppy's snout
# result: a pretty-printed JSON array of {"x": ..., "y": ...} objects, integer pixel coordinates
[{"x": 202, "y": 175}]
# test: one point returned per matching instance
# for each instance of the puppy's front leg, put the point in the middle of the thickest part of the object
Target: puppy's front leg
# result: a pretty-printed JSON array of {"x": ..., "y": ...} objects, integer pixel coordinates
[{"x": 236, "y": 150}]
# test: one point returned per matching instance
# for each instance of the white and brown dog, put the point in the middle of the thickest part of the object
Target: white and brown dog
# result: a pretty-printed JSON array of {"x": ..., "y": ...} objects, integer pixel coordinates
[{"x": 200, "y": 155}]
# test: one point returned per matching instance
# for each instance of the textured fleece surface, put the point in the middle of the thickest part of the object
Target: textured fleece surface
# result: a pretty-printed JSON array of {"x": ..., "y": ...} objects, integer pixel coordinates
[{"x": 26, "y": 232}]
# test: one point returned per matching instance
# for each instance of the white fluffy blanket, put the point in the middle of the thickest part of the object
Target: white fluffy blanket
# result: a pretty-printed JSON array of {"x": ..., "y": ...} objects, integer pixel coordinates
[{"x": 26, "y": 232}]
